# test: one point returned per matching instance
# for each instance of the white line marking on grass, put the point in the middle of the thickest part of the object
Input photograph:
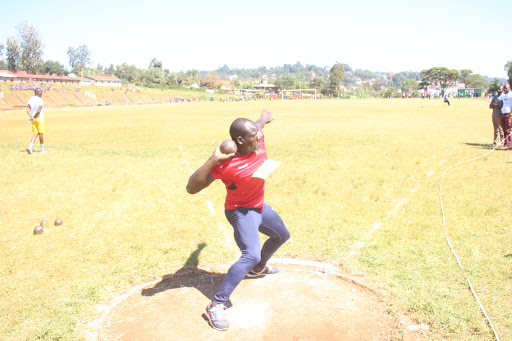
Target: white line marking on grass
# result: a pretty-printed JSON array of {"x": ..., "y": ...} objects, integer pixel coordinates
[
  {"x": 393, "y": 211},
  {"x": 429, "y": 174},
  {"x": 375, "y": 227},
  {"x": 186, "y": 162},
  {"x": 210, "y": 207},
  {"x": 360, "y": 243}
]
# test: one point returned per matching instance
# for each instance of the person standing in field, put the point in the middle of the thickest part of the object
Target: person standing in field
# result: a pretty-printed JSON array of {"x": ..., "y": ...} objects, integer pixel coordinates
[
  {"x": 446, "y": 99},
  {"x": 506, "y": 118},
  {"x": 35, "y": 107},
  {"x": 495, "y": 105},
  {"x": 245, "y": 209}
]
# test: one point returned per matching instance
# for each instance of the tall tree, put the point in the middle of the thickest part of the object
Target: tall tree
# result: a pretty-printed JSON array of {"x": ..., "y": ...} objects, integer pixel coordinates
[
  {"x": 475, "y": 81},
  {"x": 51, "y": 67},
  {"x": 508, "y": 68},
  {"x": 398, "y": 79},
  {"x": 465, "y": 73},
  {"x": 13, "y": 52},
  {"x": 110, "y": 70},
  {"x": 128, "y": 73},
  {"x": 79, "y": 58},
  {"x": 155, "y": 63},
  {"x": 494, "y": 85},
  {"x": 211, "y": 81},
  {"x": 336, "y": 76},
  {"x": 285, "y": 82},
  {"x": 410, "y": 85},
  {"x": 31, "y": 47},
  {"x": 171, "y": 79},
  {"x": 317, "y": 83},
  {"x": 440, "y": 76},
  {"x": 3, "y": 65},
  {"x": 192, "y": 76},
  {"x": 153, "y": 77}
]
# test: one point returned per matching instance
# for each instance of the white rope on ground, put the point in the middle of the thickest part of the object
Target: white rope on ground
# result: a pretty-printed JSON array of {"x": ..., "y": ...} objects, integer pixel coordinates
[{"x": 450, "y": 244}]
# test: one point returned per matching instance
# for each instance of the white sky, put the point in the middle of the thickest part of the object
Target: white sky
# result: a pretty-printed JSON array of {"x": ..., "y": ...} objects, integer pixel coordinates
[{"x": 197, "y": 34}]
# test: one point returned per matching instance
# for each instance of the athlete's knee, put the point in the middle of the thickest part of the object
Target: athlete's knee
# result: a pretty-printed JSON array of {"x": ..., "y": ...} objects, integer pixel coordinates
[
  {"x": 252, "y": 256},
  {"x": 281, "y": 233},
  {"x": 285, "y": 235}
]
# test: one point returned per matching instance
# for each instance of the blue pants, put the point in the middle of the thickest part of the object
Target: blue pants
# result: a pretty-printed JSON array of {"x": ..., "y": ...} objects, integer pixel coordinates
[{"x": 247, "y": 223}]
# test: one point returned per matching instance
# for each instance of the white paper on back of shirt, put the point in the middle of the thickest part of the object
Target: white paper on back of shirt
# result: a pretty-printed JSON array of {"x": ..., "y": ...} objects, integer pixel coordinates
[{"x": 266, "y": 168}]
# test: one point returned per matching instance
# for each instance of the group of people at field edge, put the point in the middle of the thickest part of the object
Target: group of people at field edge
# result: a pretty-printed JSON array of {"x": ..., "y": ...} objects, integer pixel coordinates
[
  {"x": 501, "y": 105},
  {"x": 33, "y": 85}
]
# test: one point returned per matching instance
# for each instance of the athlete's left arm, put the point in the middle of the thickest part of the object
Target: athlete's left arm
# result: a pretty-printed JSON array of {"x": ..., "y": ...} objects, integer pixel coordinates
[
  {"x": 266, "y": 117},
  {"x": 30, "y": 113}
]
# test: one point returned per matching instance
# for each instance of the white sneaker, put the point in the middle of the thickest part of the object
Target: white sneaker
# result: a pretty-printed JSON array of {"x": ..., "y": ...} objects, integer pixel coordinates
[
  {"x": 45, "y": 151},
  {"x": 30, "y": 150}
]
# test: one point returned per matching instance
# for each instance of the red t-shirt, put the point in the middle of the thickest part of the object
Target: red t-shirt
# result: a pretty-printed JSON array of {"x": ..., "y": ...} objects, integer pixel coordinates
[{"x": 242, "y": 189}]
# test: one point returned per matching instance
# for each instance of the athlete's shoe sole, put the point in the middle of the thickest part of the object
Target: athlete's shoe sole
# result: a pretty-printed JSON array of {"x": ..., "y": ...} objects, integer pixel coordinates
[{"x": 268, "y": 270}]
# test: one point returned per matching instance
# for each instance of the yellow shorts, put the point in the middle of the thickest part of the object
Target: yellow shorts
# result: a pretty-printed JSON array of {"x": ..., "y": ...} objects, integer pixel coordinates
[{"x": 38, "y": 127}]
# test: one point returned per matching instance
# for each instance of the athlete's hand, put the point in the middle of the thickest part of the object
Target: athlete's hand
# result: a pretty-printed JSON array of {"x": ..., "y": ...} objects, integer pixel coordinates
[
  {"x": 266, "y": 116},
  {"x": 220, "y": 156}
]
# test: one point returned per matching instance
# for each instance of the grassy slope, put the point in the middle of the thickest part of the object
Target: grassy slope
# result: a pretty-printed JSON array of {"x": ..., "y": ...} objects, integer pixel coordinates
[
  {"x": 119, "y": 96},
  {"x": 116, "y": 177}
]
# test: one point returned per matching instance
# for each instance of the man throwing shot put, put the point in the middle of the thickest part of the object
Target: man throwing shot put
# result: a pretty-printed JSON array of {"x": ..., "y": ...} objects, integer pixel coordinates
[
  {"x": 245, "y": 209},
  {"x": 35, "y": 107}
]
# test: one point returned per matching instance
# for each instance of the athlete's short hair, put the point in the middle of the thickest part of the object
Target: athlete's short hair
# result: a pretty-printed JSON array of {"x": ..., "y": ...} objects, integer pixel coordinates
[{"x": 239, "y": 128}]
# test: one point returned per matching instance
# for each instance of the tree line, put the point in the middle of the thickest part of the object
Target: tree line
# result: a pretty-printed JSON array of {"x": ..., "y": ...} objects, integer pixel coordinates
[{"x": 24, "y": 52}]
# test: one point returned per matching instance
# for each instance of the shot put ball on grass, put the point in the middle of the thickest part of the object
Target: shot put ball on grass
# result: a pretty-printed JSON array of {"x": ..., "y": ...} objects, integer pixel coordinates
[
  {"x": 44, "y": 223},
  {"x": 58, "y": 222},
  {"x": 228, "y": 147},
  {"x": 38, "y": 230}
]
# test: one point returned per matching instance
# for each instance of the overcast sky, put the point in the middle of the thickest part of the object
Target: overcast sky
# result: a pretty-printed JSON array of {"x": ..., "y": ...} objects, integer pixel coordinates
[{"x": 370, "y": 35}]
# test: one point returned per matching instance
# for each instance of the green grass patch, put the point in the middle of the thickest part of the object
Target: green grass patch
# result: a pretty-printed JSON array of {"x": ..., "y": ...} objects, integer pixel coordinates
[{"x": 116, "y": 176}]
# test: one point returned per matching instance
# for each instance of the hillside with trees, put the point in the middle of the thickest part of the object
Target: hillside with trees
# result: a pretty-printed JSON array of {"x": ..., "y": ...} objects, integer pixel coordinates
[{"x": 25, "y": 52}]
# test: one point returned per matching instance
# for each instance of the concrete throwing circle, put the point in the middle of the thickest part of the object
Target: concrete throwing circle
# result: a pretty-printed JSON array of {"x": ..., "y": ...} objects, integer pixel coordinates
[{"x": 299, "y": 303}]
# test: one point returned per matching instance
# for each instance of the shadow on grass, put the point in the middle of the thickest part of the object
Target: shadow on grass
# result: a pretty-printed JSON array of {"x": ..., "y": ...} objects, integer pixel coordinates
[
  {"x": 190, "y": 276},
  {"x": 481, "y": 145}
]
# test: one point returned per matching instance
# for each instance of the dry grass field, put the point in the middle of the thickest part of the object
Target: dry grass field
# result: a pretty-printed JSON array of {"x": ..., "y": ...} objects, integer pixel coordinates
[{"x": 358, "y": 187}]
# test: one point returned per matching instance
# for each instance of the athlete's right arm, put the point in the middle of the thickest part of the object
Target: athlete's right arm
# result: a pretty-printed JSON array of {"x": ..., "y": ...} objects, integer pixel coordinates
[
  {"x": 201, "y": 177},
  {"x": 38, "y": 111}
]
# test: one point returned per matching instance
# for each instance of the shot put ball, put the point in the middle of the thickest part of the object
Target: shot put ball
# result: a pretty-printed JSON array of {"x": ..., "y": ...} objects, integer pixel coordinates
[
  {"x": 38, "y": 230},
  {"x": 43, "y": 223},
  {"x": 58, "y": 222},
  {"x": 228, "y": 147}
]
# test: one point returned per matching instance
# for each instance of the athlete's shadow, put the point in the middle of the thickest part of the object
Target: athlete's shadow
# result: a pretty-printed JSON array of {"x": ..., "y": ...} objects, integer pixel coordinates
[
  {"x": 480, "y": 145},
  {"x": 190, "y": 276}
]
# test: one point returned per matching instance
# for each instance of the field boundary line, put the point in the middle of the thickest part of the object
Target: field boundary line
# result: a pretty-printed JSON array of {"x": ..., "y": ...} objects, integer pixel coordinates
[{"x": 450, "y": 244}]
